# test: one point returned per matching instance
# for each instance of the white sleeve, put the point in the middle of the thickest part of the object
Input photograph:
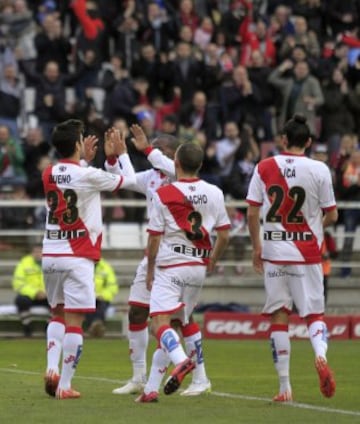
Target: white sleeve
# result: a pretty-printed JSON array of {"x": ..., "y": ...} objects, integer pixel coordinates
[
  {"x": 113, "y": 169},
  {"x": 127, "y": 171},
  {"x": 326, "y": 191},
  {"x": 156, "y": 220},
  {"x": 255, "y": 192},
  {"x": 159, "y": 161}
]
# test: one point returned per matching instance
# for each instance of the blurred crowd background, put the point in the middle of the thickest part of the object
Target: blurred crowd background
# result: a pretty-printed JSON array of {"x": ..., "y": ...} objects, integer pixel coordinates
[{"x": 225, "y": 74}]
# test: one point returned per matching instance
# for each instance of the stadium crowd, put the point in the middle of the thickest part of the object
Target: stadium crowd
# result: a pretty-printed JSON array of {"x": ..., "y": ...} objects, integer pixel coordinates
[{"x": 225, "y": 74}]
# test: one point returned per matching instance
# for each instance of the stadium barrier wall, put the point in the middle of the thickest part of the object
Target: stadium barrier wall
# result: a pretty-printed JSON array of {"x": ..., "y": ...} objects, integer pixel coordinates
[{"x": 241, "y": 326}]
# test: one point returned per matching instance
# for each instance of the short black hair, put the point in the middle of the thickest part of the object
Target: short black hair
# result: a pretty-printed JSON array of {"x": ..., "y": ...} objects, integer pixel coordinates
[
  {"x": 190, "y": 157},
  {"x": 297, "y": 131},
  {"x": 65, "y": 136}
]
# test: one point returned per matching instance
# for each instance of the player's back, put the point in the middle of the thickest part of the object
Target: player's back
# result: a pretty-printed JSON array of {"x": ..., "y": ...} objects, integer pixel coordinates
[
  {"x": 74, "y": 219},
  {"x": 188, "y": 211},
  {"x": 294, "y": 191}
]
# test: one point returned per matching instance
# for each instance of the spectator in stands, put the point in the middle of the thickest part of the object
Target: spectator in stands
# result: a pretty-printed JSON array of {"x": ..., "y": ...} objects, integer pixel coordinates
[
  {"x": 150, "y": 68},
  {"x": 350, "y": 191},
  {"x": 240, "y": 98},
  {"x": 336, "y": 116},
  {"x": 11, "y": 95},
  {"x": 302, "y": 36},
  {"x": 341, "y": 15},
  {"x": 334, "y": 55},
  {"x": 199, "y": 115},
  {"x": 259, "y": 72},
  {"x": 169, "y": 125},
  {"x": 29, "y": 286},
  {"x": 235, "y": 20},
  {"x": 34, "y": 146},
  {"x": 11, "y": 159},
  {"x": 14, "y": 217},
  {"x": 278, "y": 147},
  {"x": 52, "y": 45},
  {"x": 187, "y": 70},
  {"x": 204, "y": 33},
  {"x": 280, "y": 24},
  {"x": 161, "y": 109},
  {"x": 157, "y": 27},
  {"x": 226, "y": 152},
  {"x": 187, "y": 15},
  {"x": 301, "y": 93},
  {"x": 314, "y": 12},
  {"x": 209, "y": 170},
  {"x": 106, "y": 289},
  {"x": 92, "y": 34},
  {"x": 50, "y": 99},
  {"x": 19, "y": 25},
  {"x": 126, "y": 99},
  {"x": 261, "y": 41},
  {"x": 126, "y": 26}
]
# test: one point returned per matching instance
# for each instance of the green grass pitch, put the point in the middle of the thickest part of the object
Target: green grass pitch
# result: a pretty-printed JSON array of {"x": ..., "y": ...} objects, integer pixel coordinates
[{"x": 241, "y": 372}]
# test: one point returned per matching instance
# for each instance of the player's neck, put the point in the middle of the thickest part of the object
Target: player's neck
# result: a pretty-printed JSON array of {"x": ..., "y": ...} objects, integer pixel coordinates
[
  {"x": 186, "y": 176},
  {"x": 295, "y": 150}
]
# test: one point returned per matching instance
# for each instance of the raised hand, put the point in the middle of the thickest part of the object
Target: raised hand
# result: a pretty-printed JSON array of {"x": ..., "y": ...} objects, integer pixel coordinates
[
  {"x": 139, "y": 140},
  {"x": 115, "y": 144},
  {"x": 90, "y": 147}
]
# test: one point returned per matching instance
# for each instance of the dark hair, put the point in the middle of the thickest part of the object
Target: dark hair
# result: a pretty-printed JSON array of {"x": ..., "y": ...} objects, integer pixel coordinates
[
  {"x": 190, "y": 157},
  {"x": 65, "y": 136},
  {"x": 297, "y": 131},
  {"x": 167, "y": 140}
]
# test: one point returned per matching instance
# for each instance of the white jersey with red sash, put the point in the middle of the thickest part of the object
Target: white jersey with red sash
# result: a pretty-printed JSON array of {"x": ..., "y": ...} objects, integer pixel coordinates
[
  {"x": 185, "y": 213},
  {"x": 293, "y": 191},
  {"x": 74, "y": 217}
]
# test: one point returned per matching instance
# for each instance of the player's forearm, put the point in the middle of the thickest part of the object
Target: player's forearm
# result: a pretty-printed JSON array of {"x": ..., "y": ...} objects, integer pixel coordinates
[
  {"x": 254, "y": 230},
  {"x": 222, "y": 240}
]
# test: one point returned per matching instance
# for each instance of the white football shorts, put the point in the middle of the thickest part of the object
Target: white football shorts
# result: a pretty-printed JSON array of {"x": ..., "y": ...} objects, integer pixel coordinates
[{"x": 70, "y": 281}]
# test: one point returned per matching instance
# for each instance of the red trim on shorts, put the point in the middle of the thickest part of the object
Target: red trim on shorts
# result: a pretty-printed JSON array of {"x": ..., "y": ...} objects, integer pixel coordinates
[
  {"x": 73, "y": 329},
  {"x": 138, "y": 327},
  {"x": 141, "y": 305},
  {"x": 80, "y": 310},
  {"x": 312, "y": 262},
  {"x": 58, "y": 319},
  {"x": 190, "y": 329},
  {"x": 279, "y": 327},
  {"x": 160, "y": 331},
  {"x": 313, "y": 317},
  {"x": 154, "y": 314}
]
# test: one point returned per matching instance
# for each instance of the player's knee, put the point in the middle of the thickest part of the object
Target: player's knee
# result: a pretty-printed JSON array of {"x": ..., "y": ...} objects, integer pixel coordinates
[{"x": 138, "y": 315}]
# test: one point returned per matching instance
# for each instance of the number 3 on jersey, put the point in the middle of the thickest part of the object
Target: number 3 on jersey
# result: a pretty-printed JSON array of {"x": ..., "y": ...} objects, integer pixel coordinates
[
  {"x": 71, "y": 213},
  {"x": 195, "y": 220}
]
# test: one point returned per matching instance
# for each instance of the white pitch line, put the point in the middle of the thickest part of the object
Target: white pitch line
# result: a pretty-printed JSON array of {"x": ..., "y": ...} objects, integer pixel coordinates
[{"x": 219, "y": 394}]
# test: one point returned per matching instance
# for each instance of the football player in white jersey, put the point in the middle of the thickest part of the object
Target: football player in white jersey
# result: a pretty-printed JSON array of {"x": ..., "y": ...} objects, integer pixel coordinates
[
  {"x": 184, "y": 215},
  {"x": 160, "y": 154},
  {"x": 72, "y": 243},
  {"x": 295, "y": 198}
]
